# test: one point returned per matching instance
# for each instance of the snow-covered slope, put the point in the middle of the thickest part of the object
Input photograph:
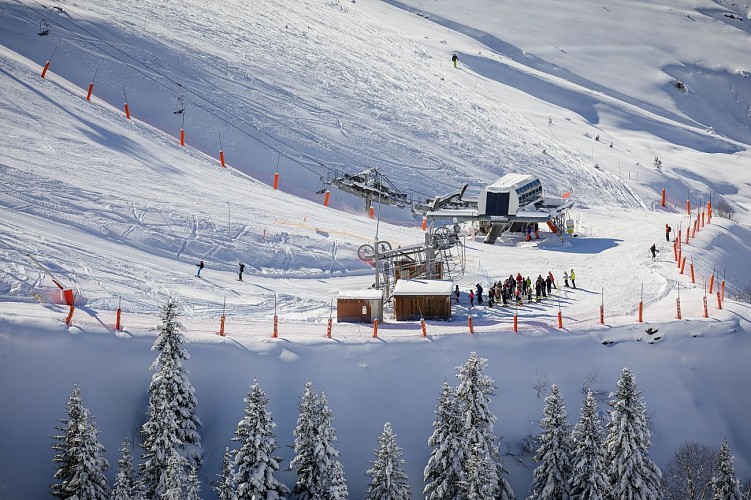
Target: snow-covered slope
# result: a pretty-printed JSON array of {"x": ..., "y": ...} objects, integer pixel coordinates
[{"x": 119, "y": 212}]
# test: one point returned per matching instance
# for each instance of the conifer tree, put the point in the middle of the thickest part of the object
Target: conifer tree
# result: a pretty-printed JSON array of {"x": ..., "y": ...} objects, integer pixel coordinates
[
  {"x": 126, "y": 483},
  {"x": 172, "y": 421},
  {"x": 551, "y": 478},
  {"x": 320, "y": 474},
  {"x": 473, "y": 395},
  {"x": 632, "y": 474},
  {"x": 176, "y": 480},
  {"x": 725, "y": 484},
  {"x": 159, "y": 441},
  {"x": 480, "y": 476},
  {"x": 225, "y": 488},
  {"x": 589, "y": 481},
  {"x": 388, "y": 479},
  {"x": 81, "y": 464},
  {"x": 193, "y": 486},
  {"x": 443, "y": 473},
  {"x": 255, "y": 463}
]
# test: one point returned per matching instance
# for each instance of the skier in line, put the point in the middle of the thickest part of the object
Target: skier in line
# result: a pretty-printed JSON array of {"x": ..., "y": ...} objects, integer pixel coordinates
[
  {"x": 478, "y": 294},
  {"x": 573, "y": 279},
  {"x": 242, "y": 268},
  {"x": 454, "y": 59},
  {"x": 456, "y": 294},
  {"x": 565, "y": 279},
  {"x": 667, "y": 232},
  {"x": 653, "y": 249},
  {"x": 200, "y": 268},
  {"x": 552, "y": 279},
  {"x": 471, "y": 298}
]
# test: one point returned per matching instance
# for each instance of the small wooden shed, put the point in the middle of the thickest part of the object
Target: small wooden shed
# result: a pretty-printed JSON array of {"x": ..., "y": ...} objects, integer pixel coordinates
[
  {"x": 359, "y": 306},
  {"x": 429, "y": 299}
]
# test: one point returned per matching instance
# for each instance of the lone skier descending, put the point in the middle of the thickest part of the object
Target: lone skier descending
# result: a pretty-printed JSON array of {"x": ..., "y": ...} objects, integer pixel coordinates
[
  {"x": 653, "y": 249},
  {"x": 667, "y": 232},
  {"x": 200, "y": 268},
  {"x": 242, "y": 268},
  {"x": 454, "y": 59}
]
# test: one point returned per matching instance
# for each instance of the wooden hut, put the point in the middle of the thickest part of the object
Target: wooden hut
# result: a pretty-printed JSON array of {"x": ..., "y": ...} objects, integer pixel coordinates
[
  {"x": 429, "y": 299},
  {"x": 359, "y": 306}
]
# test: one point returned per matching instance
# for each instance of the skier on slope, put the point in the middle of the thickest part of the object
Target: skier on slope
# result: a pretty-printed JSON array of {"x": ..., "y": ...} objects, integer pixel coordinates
[
  {"x": 653, "y": 249},
  {"x": 242, "y": 268},
  {"x": 200, "y": 268},
  {"x": 454, "y": 59},
  {"x": 573, "y": 279},
  {"x": 667, "y": 232}
]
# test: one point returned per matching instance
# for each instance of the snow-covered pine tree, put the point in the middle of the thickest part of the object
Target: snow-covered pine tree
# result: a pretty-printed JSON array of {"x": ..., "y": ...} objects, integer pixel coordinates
[
  {"x": 159, "y": 441},
  {"x": 320, "y": 474},
  {"x": 172, "y": 421},
  {"x": 725, "y": 484},
  {"x": 169, "y": 372},
  {"x": 480, "y": 476},
  {"x": 126, "y": 483},
  {"x": 225, "y": 488},
  {"x": 255, "y": 463},
  {"x": 176, "y": 479},
  {"x": 69, "y": 427},
  {"x": 589, "y": 481},
  {"x": 473, "y": 395},
  {"x": 443, "y": 474},
  {"x": 632, "y": 474},
  {"x": 193, "y": 486},
  {"x": 551, "y": 478},
  {"x": 82, "y": 466},
  {"x": 388, "y": 479}
]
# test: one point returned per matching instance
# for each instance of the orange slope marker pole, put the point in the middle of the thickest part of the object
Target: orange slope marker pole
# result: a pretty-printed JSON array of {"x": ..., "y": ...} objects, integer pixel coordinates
[
  {"x": 127, "y": 109},
  {"x": 47, "y": 64},
  {"x": 91, "y": 86}
]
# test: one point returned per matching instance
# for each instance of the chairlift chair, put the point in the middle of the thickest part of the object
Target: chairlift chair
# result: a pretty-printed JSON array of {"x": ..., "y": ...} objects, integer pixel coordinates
[
  {"x": 44, "y": 28},
  {"x": 180, "y": 106}
]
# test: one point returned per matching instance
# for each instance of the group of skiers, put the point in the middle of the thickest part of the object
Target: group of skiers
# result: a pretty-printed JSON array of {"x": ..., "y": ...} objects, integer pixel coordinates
[
  {"x": 201, "y": 265},
  {"x": 515, "y": 289}
]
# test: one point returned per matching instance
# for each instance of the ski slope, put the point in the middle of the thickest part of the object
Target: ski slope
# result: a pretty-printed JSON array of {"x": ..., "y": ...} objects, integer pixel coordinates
[{"x": 118, "y": 211}]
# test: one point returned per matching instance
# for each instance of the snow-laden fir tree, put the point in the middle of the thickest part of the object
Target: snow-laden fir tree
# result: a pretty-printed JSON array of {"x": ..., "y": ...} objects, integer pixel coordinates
[
  {"x": 159, "y": 442},
  {"x": 225, "y": 488},
  {"x": 473, "y": 396},
  {"x": 551, "y": 478},
  {"x": 443, "y": 474},
  {"x": 320, "y": 474},
  {"x": 193, "y": 486},
  {"x": 631, "y": 473},
  {"x": 255, "y": 463},
  {"x": 388, "y": 480},
  {"x": 480, "y": 476},
  {"x": 170, "y": 391},
  {"x": 589, "y": 480},
  {"x": 176, "y": 478},
  {"x": 126, "y": 485},
  {"x": 81, "y": 464},
  {"x": 725, "y": 484}
]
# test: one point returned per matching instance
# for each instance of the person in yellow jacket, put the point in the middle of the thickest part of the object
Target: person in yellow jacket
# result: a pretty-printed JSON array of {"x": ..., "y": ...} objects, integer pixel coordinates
[{"x": 572, "y": 276}]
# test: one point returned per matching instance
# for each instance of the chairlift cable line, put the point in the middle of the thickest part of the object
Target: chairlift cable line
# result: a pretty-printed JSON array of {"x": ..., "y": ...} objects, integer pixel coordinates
[
  {"x": 171, "y": 90},
  {"x": 156, "y": 71}
]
